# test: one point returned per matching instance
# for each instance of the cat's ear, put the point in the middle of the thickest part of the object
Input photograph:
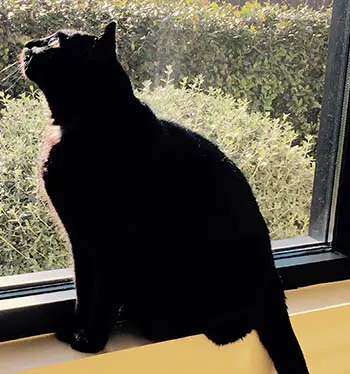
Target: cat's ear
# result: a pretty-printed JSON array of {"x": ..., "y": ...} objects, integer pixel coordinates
[{"x": 107, "y": 39}]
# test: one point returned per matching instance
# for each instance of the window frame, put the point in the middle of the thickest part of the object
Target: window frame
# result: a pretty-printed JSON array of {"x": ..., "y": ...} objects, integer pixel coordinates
[{"x": 32, "y": 304}]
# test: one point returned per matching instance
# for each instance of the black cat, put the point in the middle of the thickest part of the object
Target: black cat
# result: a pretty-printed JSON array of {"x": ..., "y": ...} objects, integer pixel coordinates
[{"x": 159, "y": 219}]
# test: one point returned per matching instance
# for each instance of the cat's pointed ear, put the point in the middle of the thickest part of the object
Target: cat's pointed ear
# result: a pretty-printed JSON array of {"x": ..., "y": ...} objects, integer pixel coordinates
[{"x": 108, "y": 36}]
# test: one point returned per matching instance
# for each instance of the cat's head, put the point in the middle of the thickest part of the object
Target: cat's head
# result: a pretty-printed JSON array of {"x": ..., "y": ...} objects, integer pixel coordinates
[{"x": 74, "y": 63}]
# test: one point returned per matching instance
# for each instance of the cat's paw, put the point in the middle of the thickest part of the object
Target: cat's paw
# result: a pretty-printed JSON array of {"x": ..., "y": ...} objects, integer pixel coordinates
[
  {"x": 65, "y": 333},
  {"x": 66, "y": 328},
  {"x": 68, "y": 324},
  {"x": 87, "y": 342}
]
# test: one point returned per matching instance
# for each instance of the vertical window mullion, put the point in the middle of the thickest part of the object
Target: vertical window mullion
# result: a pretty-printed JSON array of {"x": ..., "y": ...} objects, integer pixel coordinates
[
  {"x": 341, "y": 238},
  {"x": 323, "y": 198}
]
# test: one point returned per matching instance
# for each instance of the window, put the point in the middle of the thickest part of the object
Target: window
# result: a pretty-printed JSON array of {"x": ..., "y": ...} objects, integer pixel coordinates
[{"x": 255, "y": 79}]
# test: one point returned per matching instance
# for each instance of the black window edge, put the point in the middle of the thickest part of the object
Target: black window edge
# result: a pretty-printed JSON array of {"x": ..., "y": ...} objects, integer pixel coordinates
[
  {"x": 34, "y": 315},
  {"x": 30, "y": 313},
  {"x": 323, "y": 265},
  {"x": 42, "y": 282}
]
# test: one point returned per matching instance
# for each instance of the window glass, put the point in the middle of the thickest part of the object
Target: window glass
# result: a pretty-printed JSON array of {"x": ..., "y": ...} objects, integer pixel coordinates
[{"x": 247, "y": 76}]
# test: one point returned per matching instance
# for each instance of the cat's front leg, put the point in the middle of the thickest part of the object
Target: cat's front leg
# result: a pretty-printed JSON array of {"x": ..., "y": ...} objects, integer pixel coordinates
[
  {"x": 75, "y": 319},
  {"x": 93, "y": 334}
]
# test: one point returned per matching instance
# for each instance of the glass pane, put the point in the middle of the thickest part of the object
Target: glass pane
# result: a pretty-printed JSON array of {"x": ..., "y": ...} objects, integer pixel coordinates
[{"x": 249, "y": 77}]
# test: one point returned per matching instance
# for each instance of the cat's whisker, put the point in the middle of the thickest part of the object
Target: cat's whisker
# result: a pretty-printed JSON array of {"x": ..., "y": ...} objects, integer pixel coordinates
[
  {"x": 13, "y": 84},
  {"x": 8, "y": 67},
  {"x": 11, "y": 74},
  {"x": 13, "y": 67},
  {"x": 16, "y": 75}
]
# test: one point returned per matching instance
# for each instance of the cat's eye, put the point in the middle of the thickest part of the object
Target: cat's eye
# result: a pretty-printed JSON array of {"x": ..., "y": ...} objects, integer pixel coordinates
[{"x": 54, "y": 42}]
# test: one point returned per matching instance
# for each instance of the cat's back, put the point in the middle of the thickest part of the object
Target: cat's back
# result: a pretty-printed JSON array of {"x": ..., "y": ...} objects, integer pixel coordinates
[
  {"x": 196, "y": 160},
  {"x": 200, "y": 193}
]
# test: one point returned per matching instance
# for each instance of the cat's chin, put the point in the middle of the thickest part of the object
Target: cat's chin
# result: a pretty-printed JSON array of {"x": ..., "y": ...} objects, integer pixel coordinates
[{"x": 29, "y": 71}]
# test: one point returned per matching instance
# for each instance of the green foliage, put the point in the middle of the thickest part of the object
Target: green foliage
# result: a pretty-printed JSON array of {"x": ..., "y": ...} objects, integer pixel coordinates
[
  {"x": 271, "y": 55},
  {"x": 280, "y": 174},
  {"x": 29, "y": 240}
]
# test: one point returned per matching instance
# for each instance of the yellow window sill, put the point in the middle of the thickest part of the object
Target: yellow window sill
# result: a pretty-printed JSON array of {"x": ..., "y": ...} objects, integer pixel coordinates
[{"x": 324, "y": 335}]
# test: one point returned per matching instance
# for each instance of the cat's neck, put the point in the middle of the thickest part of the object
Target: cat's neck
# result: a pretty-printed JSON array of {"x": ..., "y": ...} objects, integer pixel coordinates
[
  {"x": 74, "y": 110},
  {"x": 105, "y": 95}
]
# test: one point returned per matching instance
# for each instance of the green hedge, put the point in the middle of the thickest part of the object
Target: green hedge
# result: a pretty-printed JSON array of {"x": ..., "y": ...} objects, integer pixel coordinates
[
  {"x": 271, "y": 55},
  {"x": 280, "y": 174}
]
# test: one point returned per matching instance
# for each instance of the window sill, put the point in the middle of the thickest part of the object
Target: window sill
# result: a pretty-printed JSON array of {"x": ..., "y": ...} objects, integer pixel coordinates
[{"x": 44, "y": 350}]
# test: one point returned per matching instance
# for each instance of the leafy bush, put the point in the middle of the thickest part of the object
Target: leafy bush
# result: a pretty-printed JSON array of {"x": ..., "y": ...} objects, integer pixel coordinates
[
  {"x": 271, "y": 55},
  {"x": 29, "y": 240},
  {"x": 280, "y": 174}
]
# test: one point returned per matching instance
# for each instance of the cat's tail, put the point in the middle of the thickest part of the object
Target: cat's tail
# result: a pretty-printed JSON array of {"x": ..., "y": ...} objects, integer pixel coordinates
[{"x": 276, "y": 333}]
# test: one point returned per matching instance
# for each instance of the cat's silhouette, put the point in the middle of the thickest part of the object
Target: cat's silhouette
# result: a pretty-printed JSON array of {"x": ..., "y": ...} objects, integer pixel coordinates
[{"x": 159, "y": 219}]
